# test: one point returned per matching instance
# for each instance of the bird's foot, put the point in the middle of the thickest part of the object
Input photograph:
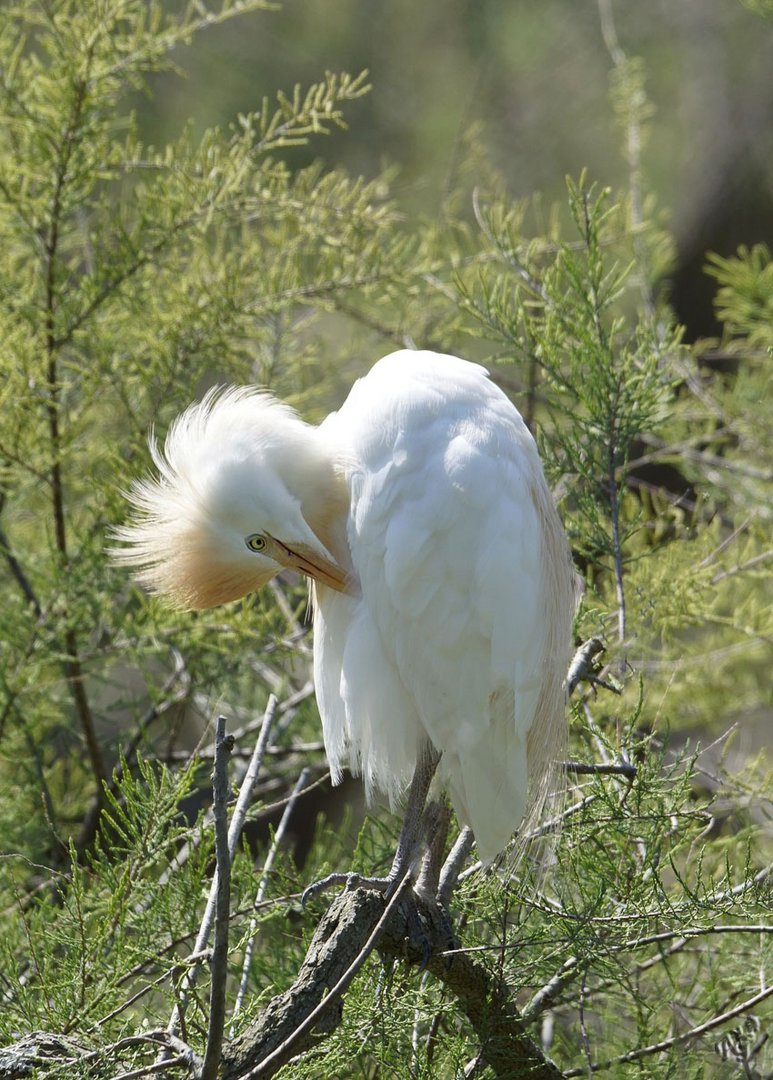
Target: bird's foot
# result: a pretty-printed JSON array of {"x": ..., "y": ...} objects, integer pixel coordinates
[
  {"x": 350, "y": 880},
  {"x": 428, "y": 926}
]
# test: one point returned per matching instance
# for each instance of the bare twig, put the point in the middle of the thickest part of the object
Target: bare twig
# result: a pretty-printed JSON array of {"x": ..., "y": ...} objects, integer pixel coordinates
[
  {"x": 509, "y": 256},
  {"x": 17, "y": 570},
  {"x": 219, "y": 965},
  {"x": 299, "y": 748},
  {"x": 299, "y": 632},
  {"x": 617, "y": 546},
  {"x": 633, "y": 151},
  {"x": 677, "y": 1040},
  {"x": 155, "y": 1038},
  {"x": 598, "y": 739},
  {"x": 584, "y": 1037},
  {"x": 278, "y": 839},
  {"x": 449, "y": 875},
  {"x": 579, "y": 768},
  {"x": 169, "y": 972},
  {"x": 698, "y": 931},
  {"x": 581, "y": 666},
  {"x": 259, "y": 752},
  {"x": 540, "y": 902},
  {"x": 546, "y": 995},
  {"x": 234, "y": 833},
  {"x": 739, "y": 568},
  {"x": 51, "y": 273},
  {"x": 726, "y": 542},
  {"x": 251, "y": 776},
  {"x": 155, "y": 1067}
]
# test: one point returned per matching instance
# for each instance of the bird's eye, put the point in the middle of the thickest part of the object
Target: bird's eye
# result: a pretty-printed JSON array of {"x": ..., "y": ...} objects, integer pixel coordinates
[{"x": 256, "y": 542}]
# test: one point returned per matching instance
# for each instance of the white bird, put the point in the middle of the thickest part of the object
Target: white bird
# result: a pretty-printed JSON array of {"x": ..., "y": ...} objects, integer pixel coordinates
[{"x": 443, "y": 589}]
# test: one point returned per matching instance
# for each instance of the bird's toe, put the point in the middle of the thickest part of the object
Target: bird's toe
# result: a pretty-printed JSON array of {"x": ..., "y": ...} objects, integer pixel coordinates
[
  {"x": 318, "y": 887},
  {"x": 349, "y": 881}
]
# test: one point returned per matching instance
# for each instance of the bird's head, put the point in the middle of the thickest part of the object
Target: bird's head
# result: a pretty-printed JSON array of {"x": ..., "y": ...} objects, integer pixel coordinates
[{"x": 244, "y": 489}]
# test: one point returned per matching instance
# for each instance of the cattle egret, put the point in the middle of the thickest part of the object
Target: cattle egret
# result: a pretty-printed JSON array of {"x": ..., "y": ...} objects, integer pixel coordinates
[{"x": 442, "y": 584}]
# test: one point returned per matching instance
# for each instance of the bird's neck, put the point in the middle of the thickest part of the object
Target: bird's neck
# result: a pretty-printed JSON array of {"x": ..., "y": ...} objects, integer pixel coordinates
[{"x": 325, "y": 506}]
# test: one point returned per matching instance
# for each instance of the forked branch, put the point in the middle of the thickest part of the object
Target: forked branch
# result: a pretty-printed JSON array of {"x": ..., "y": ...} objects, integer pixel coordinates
[{"x": 341, "y": 938}]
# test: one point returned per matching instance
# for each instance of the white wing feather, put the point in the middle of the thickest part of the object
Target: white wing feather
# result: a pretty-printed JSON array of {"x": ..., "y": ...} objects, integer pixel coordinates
[{"x": 449, "y": 639}]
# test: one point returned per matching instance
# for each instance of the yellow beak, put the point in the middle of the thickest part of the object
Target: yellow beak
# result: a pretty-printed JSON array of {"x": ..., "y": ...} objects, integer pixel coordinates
[{"x": 313, "y": 565}]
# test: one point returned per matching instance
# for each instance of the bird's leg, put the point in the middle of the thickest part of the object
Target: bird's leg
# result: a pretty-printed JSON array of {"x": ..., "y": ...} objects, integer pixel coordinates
[
  {"x": 413, "y": 819},
  {"x": 430, "y": 883},
  {"x": 438, "y": 818},
  {"x": 407, "y": 843}
]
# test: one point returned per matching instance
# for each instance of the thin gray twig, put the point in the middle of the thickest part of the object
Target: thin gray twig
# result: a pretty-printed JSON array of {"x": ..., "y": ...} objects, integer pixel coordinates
[
  {"x": 677, "y": 1040},
  {"x": 234, "y": 832},
  {"x": 253, "y": 928},
  {"x": 449, "y": 875},
  {"x": 219, "y": 965},
  {"x": 251, "y": 776}
]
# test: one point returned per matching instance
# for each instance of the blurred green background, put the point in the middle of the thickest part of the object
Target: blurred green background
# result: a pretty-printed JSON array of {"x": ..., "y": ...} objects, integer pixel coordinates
[{"x": 535, "y": 76}]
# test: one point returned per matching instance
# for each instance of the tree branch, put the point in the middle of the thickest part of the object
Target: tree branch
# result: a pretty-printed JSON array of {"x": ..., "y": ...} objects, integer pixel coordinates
[
  {"x": 234, "y": 833},
  {"x": 18, "y": 573},
  {"x": 219, "y": 965},
  {"x": 342, "y": 939},
  {"x": 301, "y": 783},
  {"x": 623, "y": 768},
  {"x": 677, "y": 1040},
  {"x": 582, "y": 664},
  {"x": 72, "y": 664}
]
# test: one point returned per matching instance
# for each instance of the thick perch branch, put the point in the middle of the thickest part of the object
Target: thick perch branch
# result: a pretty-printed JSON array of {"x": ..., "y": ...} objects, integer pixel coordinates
[{"x": 340, "y": 937}]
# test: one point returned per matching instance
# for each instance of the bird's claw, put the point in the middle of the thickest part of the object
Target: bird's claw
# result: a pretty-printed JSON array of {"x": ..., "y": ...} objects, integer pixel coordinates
[
  {"x": 318, "y": 887},
  {"x": 385, "y": 885}
]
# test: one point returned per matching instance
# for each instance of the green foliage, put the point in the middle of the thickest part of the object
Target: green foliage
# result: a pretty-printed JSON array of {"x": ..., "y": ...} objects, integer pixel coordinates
[
  {"x": 745, "y": 296},
  {"x": 760, "y": 7},
  {"x": 560, "y": 309},
  {"x": 135, "y": 276}
]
